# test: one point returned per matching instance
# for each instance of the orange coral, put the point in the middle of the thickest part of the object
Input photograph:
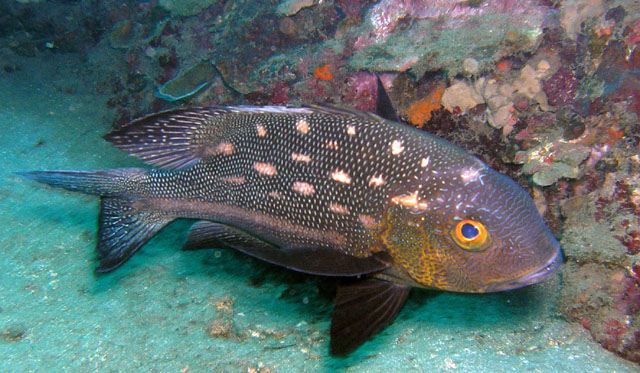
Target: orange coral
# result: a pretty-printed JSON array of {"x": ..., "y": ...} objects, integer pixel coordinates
[
  {"x": 420, "y": 111},
  {"x": 503, "y": 65},
  {"x": 613, "y": 136},
  {"x": 322, "y": 72}
]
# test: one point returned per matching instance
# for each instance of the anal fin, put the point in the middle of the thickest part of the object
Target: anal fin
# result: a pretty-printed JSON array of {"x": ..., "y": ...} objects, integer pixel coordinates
[
  {"x": 317, "y": 261},
  {"x": 362, "y": 309},
  {"x": 123, "y": 229}
]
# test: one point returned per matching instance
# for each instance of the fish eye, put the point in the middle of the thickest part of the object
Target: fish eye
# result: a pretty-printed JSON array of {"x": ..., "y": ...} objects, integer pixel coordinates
[{"x": 470, "y": 235}]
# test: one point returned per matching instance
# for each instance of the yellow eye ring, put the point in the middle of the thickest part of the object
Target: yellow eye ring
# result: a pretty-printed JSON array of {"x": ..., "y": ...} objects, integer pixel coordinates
[{"x": 470, "y": 235}]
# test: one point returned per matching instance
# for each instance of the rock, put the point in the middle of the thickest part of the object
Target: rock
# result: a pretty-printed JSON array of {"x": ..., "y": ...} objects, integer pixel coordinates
[
  {"x": 188, "y": 82},
  {"x": 292, "y": 7},
  {"x": 183, "y": 8}
]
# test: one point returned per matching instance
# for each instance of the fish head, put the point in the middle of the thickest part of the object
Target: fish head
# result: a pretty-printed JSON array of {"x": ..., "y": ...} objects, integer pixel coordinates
[{"x": 469, "y": 229}]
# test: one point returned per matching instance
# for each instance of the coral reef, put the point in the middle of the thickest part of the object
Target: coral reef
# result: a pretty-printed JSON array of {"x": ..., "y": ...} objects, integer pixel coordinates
[
  {"x": 601, "y": 242},
  {"x": 419, "y": 36}
]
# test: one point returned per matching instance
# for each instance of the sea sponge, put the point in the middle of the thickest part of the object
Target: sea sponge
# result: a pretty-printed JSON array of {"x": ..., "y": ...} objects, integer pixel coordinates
[
  {"x": 462, "y": 96},
  {"x": 323, "y": 72},
  {"x": 420, "y": 111}
]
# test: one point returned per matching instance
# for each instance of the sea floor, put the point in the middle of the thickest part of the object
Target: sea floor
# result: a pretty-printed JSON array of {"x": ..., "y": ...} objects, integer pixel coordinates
[{"x": 214, "y": 310}]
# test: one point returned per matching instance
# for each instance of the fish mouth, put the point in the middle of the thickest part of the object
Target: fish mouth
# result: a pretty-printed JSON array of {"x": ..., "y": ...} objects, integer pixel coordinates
[{"x": 534, "y": 277}]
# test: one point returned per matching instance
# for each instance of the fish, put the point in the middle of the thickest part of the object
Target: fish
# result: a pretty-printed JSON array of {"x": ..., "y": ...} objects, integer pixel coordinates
[{"x": 324, "y": 190}]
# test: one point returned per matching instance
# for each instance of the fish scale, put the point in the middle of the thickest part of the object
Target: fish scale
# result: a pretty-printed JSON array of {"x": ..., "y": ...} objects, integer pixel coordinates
[
  {"x": 326, "y": 191},
  {"x": 361, "y": 156}
]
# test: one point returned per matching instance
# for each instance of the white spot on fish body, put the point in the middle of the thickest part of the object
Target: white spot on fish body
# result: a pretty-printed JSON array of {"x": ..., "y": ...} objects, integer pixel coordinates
[
  {"x": 224, "y": 148},
  {"x": 338, "y": 209},
  {"x": 376, "y": 181},
  {"x": 275, "y": 195},
  {"x": 341, "y": 177},
  {"x": 234, "y": 179},
  {"x": 265, "y": 168},
  {"x": 397, "y": 147},
  {"x": 300, "y": 157},
  {"x": 469, "y": 175},
  {"x": 424, "y": 162},
  {"x": 262, "y": 132},
  {"x": 303, "y": 188},
  {"x": 302, "y": 126},
  {"x": 411, "y": 201},
  {"x": 351, "y": 130},
  {"x": 332, "y": 144},
  {"x": 368, "y": 221}
]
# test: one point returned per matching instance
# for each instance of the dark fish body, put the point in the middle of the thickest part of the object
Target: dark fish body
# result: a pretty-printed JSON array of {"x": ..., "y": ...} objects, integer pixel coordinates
[{"x": 326, "y": 191}]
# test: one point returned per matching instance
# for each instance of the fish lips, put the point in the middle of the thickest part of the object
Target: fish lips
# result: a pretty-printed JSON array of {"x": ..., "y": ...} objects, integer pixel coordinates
[{"x": 531, "y": 278}]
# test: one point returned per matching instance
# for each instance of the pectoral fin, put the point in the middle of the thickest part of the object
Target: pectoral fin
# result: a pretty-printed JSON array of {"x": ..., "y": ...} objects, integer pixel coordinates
[
  {"x": 317, "y": 261},
  {"x": 363, "y": 308}
]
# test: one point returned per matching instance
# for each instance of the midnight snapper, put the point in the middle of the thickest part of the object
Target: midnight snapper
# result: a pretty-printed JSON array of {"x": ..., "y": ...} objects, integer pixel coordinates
[{"x": 326, "y": 191}]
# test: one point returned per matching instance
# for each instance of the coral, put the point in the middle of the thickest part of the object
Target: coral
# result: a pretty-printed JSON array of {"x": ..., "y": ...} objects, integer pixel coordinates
[
  {"x": 433, "y": 33},
  {"x": 280, "y": 94},
  {"x": 574, "y": 12},
  {"x": 501, "y": 93},
  {"x": 633, "y": 32},
  {"x": 606, "y": 302},
  {"x": 499, "y": 103},
  {"x": 602, "y": 288},
  {"x": 420, "y": 111},
  {"x": 361, "y": 91},
  {"x": 529, "y": 82},
  {"x": 323, "y": 72},
  {"x": 552, "y": 160},
  {"x": 460, "y": 97},
  {"x": 287, "y": 26},
  {"x": 561, "y": 87},
  {"x": 122, "y": 34}
]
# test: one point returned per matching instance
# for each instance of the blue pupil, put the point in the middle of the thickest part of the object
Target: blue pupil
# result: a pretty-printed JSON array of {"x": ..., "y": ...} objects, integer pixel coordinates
[{"x": 469, "y": 231}]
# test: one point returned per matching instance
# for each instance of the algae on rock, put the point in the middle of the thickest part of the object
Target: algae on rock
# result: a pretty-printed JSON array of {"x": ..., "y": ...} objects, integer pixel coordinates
[{"x": 186, "y": 7}]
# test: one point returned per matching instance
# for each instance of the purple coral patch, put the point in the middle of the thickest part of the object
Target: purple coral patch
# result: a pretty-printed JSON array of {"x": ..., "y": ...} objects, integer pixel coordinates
[{"x": 561, "y": 87}]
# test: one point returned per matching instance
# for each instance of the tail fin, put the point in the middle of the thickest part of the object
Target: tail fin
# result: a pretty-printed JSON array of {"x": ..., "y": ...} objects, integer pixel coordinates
[
  {"x": 100, "y": 182},
  {"x": 124, "y": 226}
]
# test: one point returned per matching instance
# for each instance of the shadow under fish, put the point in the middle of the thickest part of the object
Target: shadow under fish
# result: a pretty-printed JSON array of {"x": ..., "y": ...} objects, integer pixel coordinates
[{"x": 327, "y": 191}]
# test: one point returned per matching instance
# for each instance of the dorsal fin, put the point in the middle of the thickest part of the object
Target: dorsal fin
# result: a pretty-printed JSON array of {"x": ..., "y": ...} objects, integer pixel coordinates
[
  {"x": 180, "y": 138},
  {"x": 170, "y": 139},
  {"x": 384, "y": 106}
]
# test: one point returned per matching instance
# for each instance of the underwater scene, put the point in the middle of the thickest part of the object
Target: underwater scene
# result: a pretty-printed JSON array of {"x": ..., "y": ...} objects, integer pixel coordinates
[{"x": 320, "y": 185}]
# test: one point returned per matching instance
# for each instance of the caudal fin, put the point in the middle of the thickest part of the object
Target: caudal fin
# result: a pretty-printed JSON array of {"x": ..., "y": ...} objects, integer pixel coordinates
[
  {"x": 98, "y": 182},
  {"x": 123, "y": 225}
]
